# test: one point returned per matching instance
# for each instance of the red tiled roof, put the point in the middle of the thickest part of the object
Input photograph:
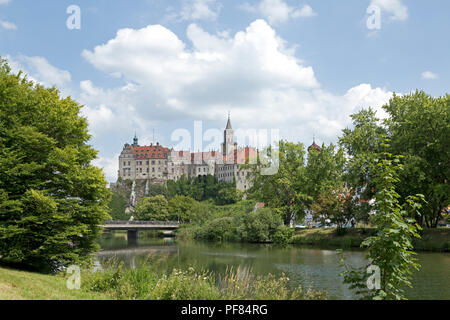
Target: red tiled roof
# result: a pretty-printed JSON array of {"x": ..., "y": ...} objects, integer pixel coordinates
[
  {"x": 315, "y": 146},
  {"x": 150, "y": 152}
]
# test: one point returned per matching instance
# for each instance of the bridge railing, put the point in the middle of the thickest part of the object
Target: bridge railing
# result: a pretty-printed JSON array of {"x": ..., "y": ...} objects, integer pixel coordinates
[{"x": 165, "y": 223}]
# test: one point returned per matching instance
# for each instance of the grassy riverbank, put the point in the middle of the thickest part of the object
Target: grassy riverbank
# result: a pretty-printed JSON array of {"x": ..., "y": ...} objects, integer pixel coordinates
[
  {"x": 23, "y": 285},
  {"x": 437, "y": 240},
  {"x": 142, "y": 283}
]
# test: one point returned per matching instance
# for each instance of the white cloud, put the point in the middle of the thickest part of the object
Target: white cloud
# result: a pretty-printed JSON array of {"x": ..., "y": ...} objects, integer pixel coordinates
[
  {"x": 109, "y": 165},
  {"x": 278, "y": 11},
  {"x": 197, "y": 10},
  {"x": 4, "y": 1},
  {"x": 7, "y": 25},
  {"x": 40, "y": 70},
  {"x": 395, "y": 8},
  {"x": 305, "y": 11},
  {"x": 252, "y": 73},
  {"x": 428, "y": 75}
]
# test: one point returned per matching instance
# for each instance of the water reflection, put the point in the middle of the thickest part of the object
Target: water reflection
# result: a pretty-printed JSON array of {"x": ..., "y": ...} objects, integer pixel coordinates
[{"x": 307, "y": 266}]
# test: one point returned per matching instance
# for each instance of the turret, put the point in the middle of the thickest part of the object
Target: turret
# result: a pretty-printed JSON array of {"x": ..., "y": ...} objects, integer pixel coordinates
[
  {"x": 228, "y": 145},
  {"x": 314, "y": 145}
]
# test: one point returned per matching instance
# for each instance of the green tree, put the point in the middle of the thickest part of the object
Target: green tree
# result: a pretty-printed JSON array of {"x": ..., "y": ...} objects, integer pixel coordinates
[
  {"x": 52, "y": 200},
  {"x": 325, "y": 170},
  {"x": 390, "y": 249},
  {"x": 117, "y": 206},
  {"x": 286, "y": 190},
  {"x": 227, "y": 194},
  {"x": 362, "y": 145},
  {"x": 181, "y": 207},
  {"x": 419, "y": 129},
  {"x": 335, "y": 205},
  {"x": 152, "y": 208}
]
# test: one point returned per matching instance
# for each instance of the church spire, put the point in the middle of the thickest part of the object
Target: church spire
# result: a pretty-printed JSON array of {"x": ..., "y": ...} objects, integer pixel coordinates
[{"x": 229, "y": 122}]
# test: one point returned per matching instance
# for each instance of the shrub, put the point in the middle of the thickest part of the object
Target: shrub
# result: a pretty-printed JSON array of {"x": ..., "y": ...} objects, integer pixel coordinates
[
  {"x": 260, "y": 226},
  {"x": 283, "y": 235}
]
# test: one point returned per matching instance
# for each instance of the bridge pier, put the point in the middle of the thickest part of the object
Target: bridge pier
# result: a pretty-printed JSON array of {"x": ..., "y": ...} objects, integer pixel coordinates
[{"x": 132, "y": 237}]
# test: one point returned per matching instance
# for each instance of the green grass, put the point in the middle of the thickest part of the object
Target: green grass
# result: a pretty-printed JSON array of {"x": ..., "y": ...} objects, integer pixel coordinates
[
  {"x": 23, "y": 285},
  {"x": 142, "y": 283},
  {"x": 328, "y": 237},
  {"x": 432, "y": 239}
]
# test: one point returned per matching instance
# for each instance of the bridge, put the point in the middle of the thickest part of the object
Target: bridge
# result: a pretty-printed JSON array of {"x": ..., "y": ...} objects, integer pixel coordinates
[{"x": 133, "y": 227}]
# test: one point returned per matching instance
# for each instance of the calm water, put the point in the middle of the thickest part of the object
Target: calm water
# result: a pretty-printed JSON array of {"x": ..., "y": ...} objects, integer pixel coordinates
[{"x": 303, "y": 265}]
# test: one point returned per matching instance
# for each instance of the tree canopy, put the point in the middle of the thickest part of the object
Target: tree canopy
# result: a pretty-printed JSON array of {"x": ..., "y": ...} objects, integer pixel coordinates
[
  {"x": 300, "y": 178},
  {"x": 51, "y": 198},
  {"x": 152, "y": 208},
  {"x": 418, "y": 128}
]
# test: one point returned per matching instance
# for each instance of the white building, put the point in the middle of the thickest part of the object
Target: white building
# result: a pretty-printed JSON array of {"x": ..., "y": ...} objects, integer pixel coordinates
[{"x": 159, "y": 164}]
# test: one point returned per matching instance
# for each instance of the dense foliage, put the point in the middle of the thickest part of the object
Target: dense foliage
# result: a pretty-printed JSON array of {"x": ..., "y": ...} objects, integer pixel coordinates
[
  {"x": 336, "y": 206},
  {"x": 237, "y": 222},
  {"x": 152, "y": 208},
  {"x": 418, "y": 127},
  {"x": 204, "y": 188},
  {"x": 390, "y": 249},
  {"x": 51, "y": 198},
  {"x": 117, "y": 206},
  {"x": 297, "y": 182}
]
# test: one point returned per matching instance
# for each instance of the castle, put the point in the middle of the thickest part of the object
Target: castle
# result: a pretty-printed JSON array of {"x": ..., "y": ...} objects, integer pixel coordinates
[{"x": 158, "y": 164}]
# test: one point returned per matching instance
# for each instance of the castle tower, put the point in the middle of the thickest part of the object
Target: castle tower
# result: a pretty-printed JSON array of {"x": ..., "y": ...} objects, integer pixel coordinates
[{"x": 228, "y": 145}]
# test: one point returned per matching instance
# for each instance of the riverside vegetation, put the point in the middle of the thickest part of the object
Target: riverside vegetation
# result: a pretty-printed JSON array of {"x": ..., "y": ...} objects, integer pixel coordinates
[
  {"x": 144, "y": 282},
  {"x": 52, "y": 199}
]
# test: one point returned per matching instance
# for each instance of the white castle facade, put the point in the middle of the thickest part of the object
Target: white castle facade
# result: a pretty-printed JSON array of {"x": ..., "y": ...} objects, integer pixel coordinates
[{"x": 158, "y": 164}]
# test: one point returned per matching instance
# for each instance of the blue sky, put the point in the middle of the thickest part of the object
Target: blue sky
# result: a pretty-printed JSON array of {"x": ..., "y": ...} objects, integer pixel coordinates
[{"x": 299, "y": 66}]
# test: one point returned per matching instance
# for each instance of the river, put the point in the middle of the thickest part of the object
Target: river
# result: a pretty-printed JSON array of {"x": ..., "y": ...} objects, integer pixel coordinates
[{"x": 308, "y": 266}]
